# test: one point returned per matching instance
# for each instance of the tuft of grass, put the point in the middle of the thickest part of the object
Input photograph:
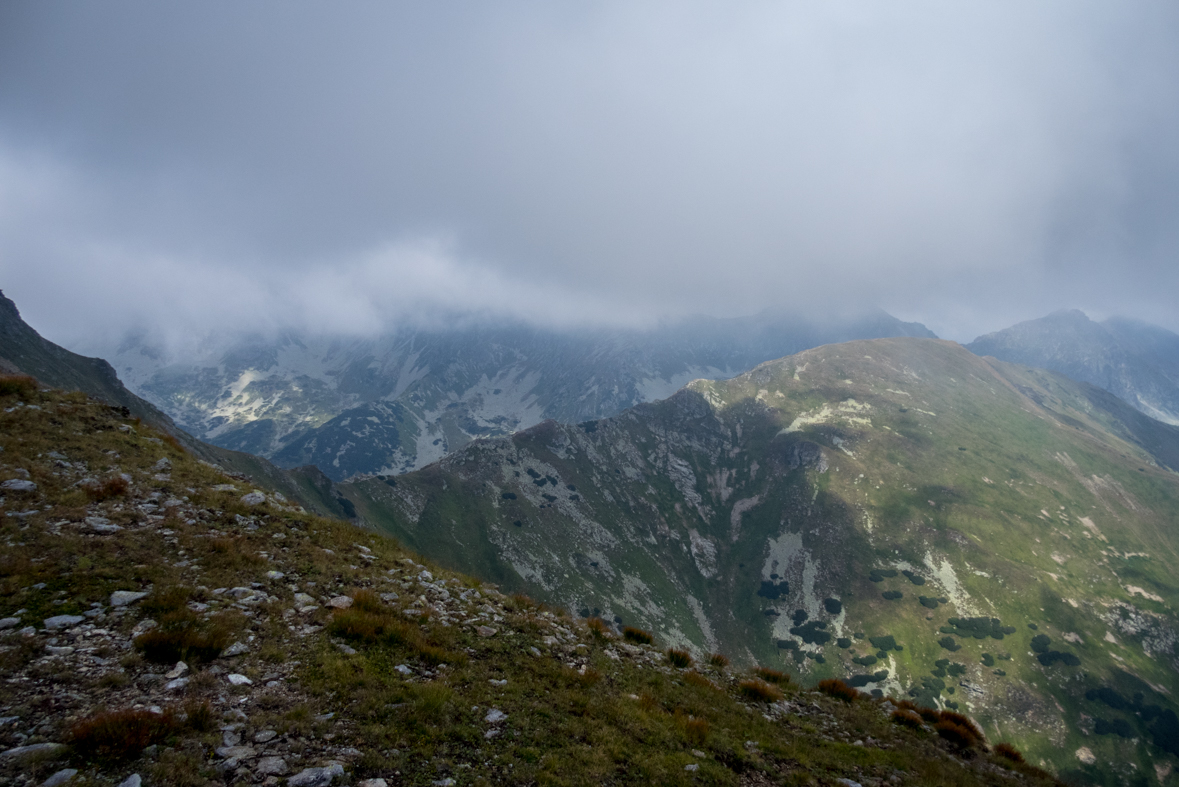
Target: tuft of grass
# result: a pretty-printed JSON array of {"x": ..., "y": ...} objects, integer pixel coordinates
[
  {"x": 718, "y": 660},
  {"x": 17, "y": 385},
  {"x": 758, "y": 691},
  {"x": 833, "y": 687},
  {"x": 680, "y": 659},
  {"x": 598, "y": 629},
  {"x": 960, "y": 730},
  {"x": 184, "y": 636},
  {"x": 120, "y": 735},
  {"x": 116, "y": 486},
  {"x": 907, "y": 718},
  {"x": 772, "y": 676},
  {"x": 695, "y": 730},
  {"x": 694, "y": 678},
  {"x": 201, "y": 717},
  {"x": 1009, "y": 752},
  {"x": 637, "y": 636}
]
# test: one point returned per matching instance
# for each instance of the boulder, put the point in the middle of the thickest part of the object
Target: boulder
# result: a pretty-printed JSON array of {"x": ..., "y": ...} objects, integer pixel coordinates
[
  {"x": 18, "y": 485},
  {"x": 62, "y": 621},
  {"x": 316, "y": 777},
  {"x": 254, "y": 499},
  {"x": 340, "y": 602},
  {"x": 60, "y": 778},
  {"x": 121, "y": 598},
  {"x": 132, "y": 781},
  {"x": 271, "y": 766}
]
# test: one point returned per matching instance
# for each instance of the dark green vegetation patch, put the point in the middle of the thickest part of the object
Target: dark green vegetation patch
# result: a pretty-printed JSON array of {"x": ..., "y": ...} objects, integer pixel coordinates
[
  {"x": 979, "y": 628},
  {"x": 916, "y": 579},
  {"x": 812, "y": 633},
  {"x": 892, "y": 595},
  {"x": 880, "y": 574}
]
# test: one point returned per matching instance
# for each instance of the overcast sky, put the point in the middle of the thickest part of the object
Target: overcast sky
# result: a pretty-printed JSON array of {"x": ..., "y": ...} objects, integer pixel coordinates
[{"x": 344, "y": 166}]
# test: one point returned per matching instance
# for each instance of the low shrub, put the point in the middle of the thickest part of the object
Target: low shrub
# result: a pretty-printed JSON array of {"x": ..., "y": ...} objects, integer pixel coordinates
[
  {"x": 833, "y": 687},
  {"x": 907, "y": 718},
  {"x": 637, "y": 636},
  {"x": 1009, "y": 752},
  {"x": 680, "y": 659},
  {"x": 758, "y": 691},
  {"x": 120, "y": 735},
  {"x": 17, "y": 384},
  {"x": 718, "y": 660},
  {"x": 772, "y": 676}
]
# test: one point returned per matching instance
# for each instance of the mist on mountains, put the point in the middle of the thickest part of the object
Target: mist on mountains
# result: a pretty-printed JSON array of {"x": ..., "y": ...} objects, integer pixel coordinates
[{"x": 265, "y": 168}]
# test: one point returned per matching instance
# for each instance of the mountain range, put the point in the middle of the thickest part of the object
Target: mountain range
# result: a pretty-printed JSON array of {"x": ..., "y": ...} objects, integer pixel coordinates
[
  {"x": 403, "y": 400},
  {"x": 1133, "y": 360},
  {"x": 901, "y": 513},
  {"x": 898, "y": 513}
]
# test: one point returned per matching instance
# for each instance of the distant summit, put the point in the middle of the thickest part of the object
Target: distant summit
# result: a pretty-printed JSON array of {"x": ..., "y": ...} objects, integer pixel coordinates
[{"x": 1135, "y": 361}]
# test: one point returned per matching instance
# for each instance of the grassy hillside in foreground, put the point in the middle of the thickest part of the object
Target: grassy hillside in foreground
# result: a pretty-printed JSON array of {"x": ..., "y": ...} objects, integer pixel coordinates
[
  {"x": 316, "y": 652},
  {"x": 898, "y": 513}
]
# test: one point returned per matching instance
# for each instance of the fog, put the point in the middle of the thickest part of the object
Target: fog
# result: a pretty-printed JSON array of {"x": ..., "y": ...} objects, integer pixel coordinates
[{"x": 186, "y": 168}]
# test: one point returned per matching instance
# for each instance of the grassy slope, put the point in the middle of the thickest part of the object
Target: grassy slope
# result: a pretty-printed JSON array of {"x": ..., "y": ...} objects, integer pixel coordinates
[
  {"x": 979, "y": 477},
  {"x": 581, "y": 708}
]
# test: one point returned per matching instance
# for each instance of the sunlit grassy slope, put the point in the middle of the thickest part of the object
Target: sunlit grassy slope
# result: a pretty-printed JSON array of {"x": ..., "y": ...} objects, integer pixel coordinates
[{"x": 1013, "y": 533}]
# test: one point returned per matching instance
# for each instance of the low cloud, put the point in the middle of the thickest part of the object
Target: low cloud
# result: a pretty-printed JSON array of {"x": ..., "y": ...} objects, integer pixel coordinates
[{"x": 267, "y": 166}]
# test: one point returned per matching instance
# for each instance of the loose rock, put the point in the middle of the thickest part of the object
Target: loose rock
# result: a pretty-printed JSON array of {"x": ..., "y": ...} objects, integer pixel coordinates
[
  {"x": 18, "y": 485},
  {"x": 254, "y": 499},
  {"x": 121, "y": 598},
  {"x": 59, "y": 778},
  {"x": 317, "y": 777},
  {"x": 62, "y": 621}
]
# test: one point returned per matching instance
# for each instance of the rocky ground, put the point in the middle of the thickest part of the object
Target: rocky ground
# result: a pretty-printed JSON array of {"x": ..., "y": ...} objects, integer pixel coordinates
[{"x": 161, "y": 623}]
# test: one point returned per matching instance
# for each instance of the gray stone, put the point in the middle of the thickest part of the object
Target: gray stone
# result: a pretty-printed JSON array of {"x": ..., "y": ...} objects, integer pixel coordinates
[
  {"x": 7, "y": 623},
  {"x": 162, "y": 466},
  {"x": 347, "y": 650},
  {"x": 275, "y": 575},
  {"x": 304, "y": 600},
  {"x": 236, "y": 649},
  {"x": 224, "y": 488},
  {"x": 176, "y": 685},
  {"x": 177, "y": 671},
  {"x": 59, "y": 778},
  {"x": 236, "y": 752},
  {"x": 373, "y": 783},
  {"x": 121, "y": 598},
  {"x": 316, "y": 777},
  {"x": 340, "y": 602},
  {"x": 254, "y": 499},
  {"x": 18, "y": 485},
  {"x": 101, "y": 525},
  {"x": 495, "y": 716},
  {"x": 692, "y": 767},
  {"x": 62, "y": 621},
  {"x": 32, "y": 749},
  {"x": 485, "y": 631},
  {"x": 265, "y": 736},
  {"x": 271, "y": 766},
  {"x": 132, "y": 781},
  {"x": 240, "y": 680}
]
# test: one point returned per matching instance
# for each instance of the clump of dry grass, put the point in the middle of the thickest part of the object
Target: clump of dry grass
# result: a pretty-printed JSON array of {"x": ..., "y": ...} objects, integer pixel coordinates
[
  {"x": 758, "y": 691},
  {"x": 833, "y": 687},
  {"x": 637, "y": 636},
  {"x": 694, "y": 678},
  {"x": 680, "y": 659},
  {"x": 115, "y": 486},
  {"x": 181, "y": 635},
  {"x": 598, "y": 629},
  {"x": 772, "y": 676},
  {"x": 1009, "y": 752},
  {"x": 907, "y": 718},
  {"x": 959, "y": 730},
  {"x": 17, "y": 385},
  {"x": 694, "y": 729},
  {"x": 120, "y": 735},
  {"x": 718, "y": 660}
]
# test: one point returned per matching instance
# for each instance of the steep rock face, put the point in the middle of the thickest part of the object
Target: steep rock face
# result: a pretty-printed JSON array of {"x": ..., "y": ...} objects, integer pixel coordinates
[
  {"x": 1136, "y": 362},
  {"x": 398, "y": 402},
  {"x": 899, "y": 513}
]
